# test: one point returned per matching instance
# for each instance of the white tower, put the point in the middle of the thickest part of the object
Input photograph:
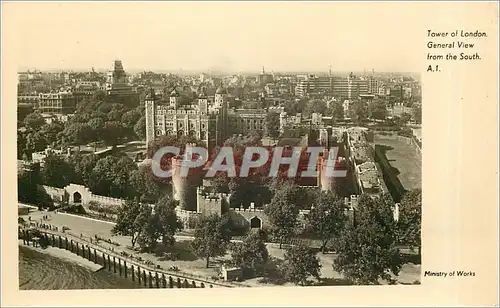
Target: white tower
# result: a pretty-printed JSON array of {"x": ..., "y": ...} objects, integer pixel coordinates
[{"x": 174, "y": 95}]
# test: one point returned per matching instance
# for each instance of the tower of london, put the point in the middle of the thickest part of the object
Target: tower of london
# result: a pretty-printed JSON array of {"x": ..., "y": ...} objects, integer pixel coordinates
[
  {"x": 209, "y": 119},
  {"x": 204, "y": 120}
]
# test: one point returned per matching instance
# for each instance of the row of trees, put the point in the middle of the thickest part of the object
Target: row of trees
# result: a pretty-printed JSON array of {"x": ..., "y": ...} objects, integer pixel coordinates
[
  {"x": 95, "y": 121},
  {"x": 115, "y": 176},
  {"x": 360, "y": 111},
  {"x": 310, "y": 106},
  {"x": 146, "y": 226},
  {"x": 365, "y": 243}
]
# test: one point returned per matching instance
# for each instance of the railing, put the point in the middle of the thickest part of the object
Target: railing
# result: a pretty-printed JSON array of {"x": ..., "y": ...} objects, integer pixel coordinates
[{"x": 131, "y": 260}]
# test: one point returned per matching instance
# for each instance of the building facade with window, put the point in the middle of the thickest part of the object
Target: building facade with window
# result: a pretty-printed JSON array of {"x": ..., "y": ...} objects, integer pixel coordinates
[
  {"x": 56, "y": 103},
  {"x": 209, "y": 119}
]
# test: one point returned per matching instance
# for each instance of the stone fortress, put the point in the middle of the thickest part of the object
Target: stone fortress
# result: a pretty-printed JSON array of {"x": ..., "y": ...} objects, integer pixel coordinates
[
  {"x": 355, "y": 155},
  {"x": 195, "y": 201},
  {"x": 211, "y": 121}
]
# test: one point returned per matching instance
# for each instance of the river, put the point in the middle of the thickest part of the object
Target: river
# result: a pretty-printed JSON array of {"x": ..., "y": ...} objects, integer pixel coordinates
[{"x": 41, "y": 271}]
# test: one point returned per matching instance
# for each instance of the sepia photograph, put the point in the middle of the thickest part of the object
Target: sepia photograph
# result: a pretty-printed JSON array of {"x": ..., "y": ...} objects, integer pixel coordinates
[
  {"x": 220, "y": 146},
  {"x": 95, "y": 213}
]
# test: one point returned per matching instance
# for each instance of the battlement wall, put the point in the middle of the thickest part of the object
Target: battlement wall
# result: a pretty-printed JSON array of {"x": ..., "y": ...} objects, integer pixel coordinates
[{"x": 106, "y": 200}]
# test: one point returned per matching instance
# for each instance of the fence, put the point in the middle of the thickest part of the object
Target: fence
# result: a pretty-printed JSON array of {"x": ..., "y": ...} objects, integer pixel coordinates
[{"x": 119, "y": 264}]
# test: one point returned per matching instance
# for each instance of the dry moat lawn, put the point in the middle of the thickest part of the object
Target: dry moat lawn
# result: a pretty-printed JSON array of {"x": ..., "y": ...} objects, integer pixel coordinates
[{"x": 405, "y": 160}]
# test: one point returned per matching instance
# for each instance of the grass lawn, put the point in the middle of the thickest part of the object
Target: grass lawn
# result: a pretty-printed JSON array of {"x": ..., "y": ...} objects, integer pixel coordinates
[{"x": 404, "y": 159}]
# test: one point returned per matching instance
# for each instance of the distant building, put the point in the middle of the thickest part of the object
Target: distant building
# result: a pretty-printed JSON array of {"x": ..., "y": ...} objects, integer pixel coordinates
[
  {"x": 397, "y": 92},
  {"x": 56, "y": 103},
  {"x": 244, "y": 121},
  {"x": 350, "y": 87},
  {"x": 264, "y": 78},
  {"x": 117, "y": 81},
  {"x": 85, "y": 90},
  {"x": 28, "y": 98},
  {"x": 313, "y": 85}
]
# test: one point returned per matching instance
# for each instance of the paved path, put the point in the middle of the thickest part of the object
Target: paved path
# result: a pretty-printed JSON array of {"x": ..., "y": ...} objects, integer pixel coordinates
[{"x": 89, "y": 228}]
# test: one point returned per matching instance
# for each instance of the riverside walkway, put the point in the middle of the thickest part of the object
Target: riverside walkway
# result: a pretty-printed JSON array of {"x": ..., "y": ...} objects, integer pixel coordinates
[{"x": 125, "y": 266}]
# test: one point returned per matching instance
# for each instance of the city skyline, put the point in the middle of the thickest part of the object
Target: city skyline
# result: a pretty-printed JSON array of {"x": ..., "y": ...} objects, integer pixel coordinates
[{"x": 179, "y": 36}]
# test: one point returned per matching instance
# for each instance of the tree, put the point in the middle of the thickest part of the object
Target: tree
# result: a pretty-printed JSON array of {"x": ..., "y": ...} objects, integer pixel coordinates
[
  {"x": 51, "y": 131},
  {"x": 283, "y": 212},
  {"x": 219, "y": 183},
  {"x": 166, "y": 217},
  {"x": 21, "y": 145},
  {"x": 83, "y": 166},
  {"x": 145, "y": 185},
  {"x": 358, "y": 112},
  {"x": 34, "y": 121},
  {"x": 129, "y": 120},
  {"x": 417, "y": 114},
  {"x": 327, "y": 218},
  {"x": 163, "y": 141},
  {"x": 410, "y": 219},
  {"x": 36, "y": 141},
  {"x": 56, "y": 171},
  {"x": 366, "y": 248},
  {"x": 377, "y": 110},
  {"x": 140, "y": 128},
  {"x": 97, "y": 127},
  {"x": 250, "y": 255},
  {"x": 111, "y": 177},
  {"x": 127, "y": 223},
  {"x": 27, "y": 183},
  {"x": 211, "y": 237},
  {"x": 405, "y": 118},
  {"x": 273, "y": 124},
  {"x": 337, "y": 111},
  {"x": 78, "y": 133},
  {"x": 314, "y": 106},
  {"x": 148, "y": 228},
  {"x": 294, "y": 107},
  {"x": 113, "y": 133},
  {"x": 300, "y": 263},
  {"x": 116, "y": 113}
]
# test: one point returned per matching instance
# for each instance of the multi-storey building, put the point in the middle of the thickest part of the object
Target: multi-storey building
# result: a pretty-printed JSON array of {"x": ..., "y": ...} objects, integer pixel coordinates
[
  {"x": 85, "y": 89},
  {"x": 373, "y": 85},
  {"x": 28, "y": 98},
  {"x": 312, "y": 85},
  {"x": 56, "y": 103},
  {"x": 350, "y": 87},
  {"x": 244, "y": 121}
]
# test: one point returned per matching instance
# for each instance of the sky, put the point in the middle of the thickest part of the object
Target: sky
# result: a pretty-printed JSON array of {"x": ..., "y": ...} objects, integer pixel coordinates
[{"x": 236, "y": 36}]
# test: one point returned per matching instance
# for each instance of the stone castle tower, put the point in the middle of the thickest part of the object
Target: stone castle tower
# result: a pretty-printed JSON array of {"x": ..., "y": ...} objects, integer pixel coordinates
[
  {"x": 204, "y": 120},
  {"x": 149, "y": 103}
]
